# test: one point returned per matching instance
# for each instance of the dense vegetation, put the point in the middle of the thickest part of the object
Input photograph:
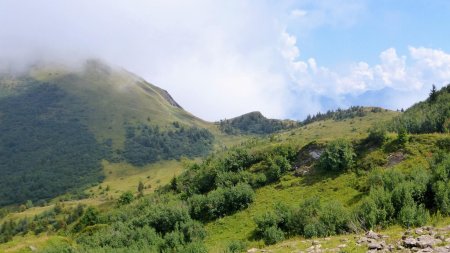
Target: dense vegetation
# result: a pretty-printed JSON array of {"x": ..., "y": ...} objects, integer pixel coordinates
[
  {"x": 172, "y": 219},
  {"x": 393, "y": 196},
  {"x": 430, "y": 116},
  {"x": 146, "y": 144},
  {"x": 340, "y": 114},
  {"x": 44, "y": 150},
  {"x": 53, "y": 220},
  {"x": 395, "y": 177},
  {"x": 47, "y": 147},
  {"x": 254, "y": 123}
]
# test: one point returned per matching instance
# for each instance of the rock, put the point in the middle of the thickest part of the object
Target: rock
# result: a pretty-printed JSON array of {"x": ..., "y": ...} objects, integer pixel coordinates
[
  {"x": 441, "y": 250},
  {"x": 252, "y": 250},
  {"x": 391, "y": 247},
  {"x": 341, "y": 246},
  {"x": 419, "y": 231},
  {"x": 32, "y": 248},
  {"x": 440, "y": 237},
  {"x": 447, "y": 240},
  {"x": 426, "y": 250},
  {"x": 374, "y": 245},
  {"x": 409, "y": 242},
  {"x": 426, "y": 241},
  {"x": 315, "y": 248},
  {"x": 372, "y": 235},
  {"x": 315, "y": 242},
  {"x": 343, "y": 240},
  {"x": 362, "y": 240},
  {"x": 327, "y": 238}
]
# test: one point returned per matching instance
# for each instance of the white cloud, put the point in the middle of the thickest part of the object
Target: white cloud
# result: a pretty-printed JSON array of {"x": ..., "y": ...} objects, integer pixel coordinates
[
  {"x": 298, "y": 13},
  {"x": 218, "y": 59},
  {"x": 412, "y": 77}
]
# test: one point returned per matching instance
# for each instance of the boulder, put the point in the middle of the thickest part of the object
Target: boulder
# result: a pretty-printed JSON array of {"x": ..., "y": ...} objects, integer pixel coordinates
[
  {"x": 372, "y": 235},
  {"x": 375, "y": 245},
  {"x": 426, "y": 241},
  {"x": 409, "y": 242}
]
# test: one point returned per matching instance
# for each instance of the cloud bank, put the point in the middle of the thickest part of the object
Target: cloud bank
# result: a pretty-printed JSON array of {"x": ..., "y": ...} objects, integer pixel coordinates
[{"x": 222, "y": 59}]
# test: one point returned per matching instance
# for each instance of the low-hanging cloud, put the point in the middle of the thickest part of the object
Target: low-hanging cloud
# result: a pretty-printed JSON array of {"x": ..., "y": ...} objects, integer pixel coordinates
[{"x": 217, "y": 59}]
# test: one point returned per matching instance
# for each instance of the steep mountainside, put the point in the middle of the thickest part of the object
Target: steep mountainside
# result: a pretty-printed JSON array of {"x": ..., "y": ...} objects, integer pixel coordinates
[
  {"x": 58, "y": 123},
  {"x": 254, "y": 123},
  {"x": 429, "y": 116}
]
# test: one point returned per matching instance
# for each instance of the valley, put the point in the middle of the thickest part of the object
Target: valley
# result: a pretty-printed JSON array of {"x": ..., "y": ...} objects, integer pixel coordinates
[{"x": 158, "y": 179}]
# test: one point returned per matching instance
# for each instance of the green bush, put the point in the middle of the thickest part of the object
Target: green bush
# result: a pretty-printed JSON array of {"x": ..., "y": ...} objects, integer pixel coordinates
[
  {"x": 125, "y": 198},
  {"x": 236, "y": 247},
  {"x": 412, "y": 215},
  {"x": 272, "y": 235},
  {"x": 367, "y": 213},
  {"x": 89, "y": 218},
  {"x": 402, "y": 136},
  {"x": 220, "y": 202},
  {"x": 264, "y": 222},
  {"x": 337, "y": 156},
  {"x": 377, "y": 135},
  {"x": 335, "y": 218},
  {"x": 384, "y": 207}
]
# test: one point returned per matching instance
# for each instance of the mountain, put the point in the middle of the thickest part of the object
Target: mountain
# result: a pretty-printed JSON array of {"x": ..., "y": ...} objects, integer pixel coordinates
[
  {"x": 429, "y": 116},
  {"x": 254, "y": 123},
  {"x": 329, "y": 177},
  {"x": 58, "y": 123}
]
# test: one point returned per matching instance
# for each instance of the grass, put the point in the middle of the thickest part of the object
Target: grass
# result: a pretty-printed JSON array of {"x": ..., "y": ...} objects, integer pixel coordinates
[
  {"x": 22, "y": 244},
  {"x": 121, "y": 177},
  {"x": 291, "y": 191}
]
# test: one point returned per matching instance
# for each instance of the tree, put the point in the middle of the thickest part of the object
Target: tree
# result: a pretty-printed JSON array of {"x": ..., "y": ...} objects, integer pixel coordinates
[
  {"x": 377, "y": 135},
  {"x": 125, "y": 198},
  {"x": 140, "y": 189},
  {"x": 338, "y": 156},
  {"x": 402, "y": 136},
  {"x": 433, "y": 94}
]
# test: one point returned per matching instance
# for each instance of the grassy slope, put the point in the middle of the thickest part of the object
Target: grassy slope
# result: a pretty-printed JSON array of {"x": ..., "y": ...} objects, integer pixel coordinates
[
  {"x": 292, "y": 190},
  {"x": 114, "y": 97},
  {"x": 123, "y": 177}
]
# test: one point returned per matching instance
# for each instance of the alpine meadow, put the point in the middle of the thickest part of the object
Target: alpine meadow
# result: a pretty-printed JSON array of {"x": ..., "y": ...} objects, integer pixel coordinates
[{"x": 335, "y": 150}]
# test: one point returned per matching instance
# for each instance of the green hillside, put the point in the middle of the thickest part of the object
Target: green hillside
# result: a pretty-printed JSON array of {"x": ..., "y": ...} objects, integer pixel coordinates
[
  {"x": 332, "y": 176},
  {"x": 254, "y": 123},
  {"x": 430, "y": 116},
  {"x": 57, "y": 124}
]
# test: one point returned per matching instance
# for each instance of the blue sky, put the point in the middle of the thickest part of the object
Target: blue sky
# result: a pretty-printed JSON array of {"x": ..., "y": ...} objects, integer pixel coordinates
[{"x": 220, "y": 59}]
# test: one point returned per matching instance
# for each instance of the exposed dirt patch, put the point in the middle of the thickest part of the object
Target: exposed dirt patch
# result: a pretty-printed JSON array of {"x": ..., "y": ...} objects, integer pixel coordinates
[
  {"x": 306, "y": 158},
  {"x": 395, "y": 158}
]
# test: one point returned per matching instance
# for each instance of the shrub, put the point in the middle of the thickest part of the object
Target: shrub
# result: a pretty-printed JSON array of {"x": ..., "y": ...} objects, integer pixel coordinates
[
  {"x": 367, "y": 213},
  {"x": 264, "y": 222},
  {"x": 125, "y": 198},
  {"x": 377, "y": 135},
  {"x": 384, "y": 208},
  {"x": 194, "y": 247},
  {"x": 236, "y": 246},
  {"x": 272, "y": 235},
  {"x": 338, "y": 156},
  {"x": 335, "y": 218},
  {"x": 402, "y": 136},
  {"x": 220, "y": 202},
  {"x": 89, "y": 218},
  {"x": 413, "y": 215}
]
